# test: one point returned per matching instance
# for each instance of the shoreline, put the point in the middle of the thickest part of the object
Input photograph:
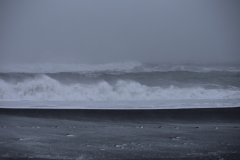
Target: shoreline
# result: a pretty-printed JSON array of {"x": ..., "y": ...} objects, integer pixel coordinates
[{"x": 198, "y": 114}]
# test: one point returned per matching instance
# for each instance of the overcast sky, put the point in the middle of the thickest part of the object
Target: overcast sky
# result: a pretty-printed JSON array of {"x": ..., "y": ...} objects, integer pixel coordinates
[{"x": 103, "y": 31}]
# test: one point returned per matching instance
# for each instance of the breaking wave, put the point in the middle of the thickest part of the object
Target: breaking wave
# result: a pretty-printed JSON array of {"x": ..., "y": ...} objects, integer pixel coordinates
[{"x": 48, "y": 89}]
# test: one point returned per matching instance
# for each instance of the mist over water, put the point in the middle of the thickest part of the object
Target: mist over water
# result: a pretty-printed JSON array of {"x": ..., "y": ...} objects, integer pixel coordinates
[{"x": 98, "y": 32}]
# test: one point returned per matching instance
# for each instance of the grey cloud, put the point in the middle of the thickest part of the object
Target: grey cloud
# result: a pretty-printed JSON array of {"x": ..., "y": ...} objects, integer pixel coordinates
[{"x": 108, "y": 31}]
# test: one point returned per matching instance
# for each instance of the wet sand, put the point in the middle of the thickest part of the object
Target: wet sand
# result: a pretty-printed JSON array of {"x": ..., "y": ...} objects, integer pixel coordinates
[{"x": 120, "y": 134}]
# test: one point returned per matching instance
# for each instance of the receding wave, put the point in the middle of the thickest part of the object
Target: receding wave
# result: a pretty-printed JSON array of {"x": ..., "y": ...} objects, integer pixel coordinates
[{"x": 46, "y": 88}]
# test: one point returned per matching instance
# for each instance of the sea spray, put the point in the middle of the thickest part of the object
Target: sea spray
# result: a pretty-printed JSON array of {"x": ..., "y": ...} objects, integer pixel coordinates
[
  {"x": 46, "y": 88},
  {"x": 119, "y": 85}
]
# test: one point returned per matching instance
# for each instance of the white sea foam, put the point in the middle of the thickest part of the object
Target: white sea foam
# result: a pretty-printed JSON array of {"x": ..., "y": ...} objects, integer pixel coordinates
[
  {"x": 139, "y": 104},
  {"x": 44, "y": 88}
]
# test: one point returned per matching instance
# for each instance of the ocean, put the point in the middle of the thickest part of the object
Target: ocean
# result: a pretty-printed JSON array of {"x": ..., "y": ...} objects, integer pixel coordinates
[{"x": 126, "y": 85}]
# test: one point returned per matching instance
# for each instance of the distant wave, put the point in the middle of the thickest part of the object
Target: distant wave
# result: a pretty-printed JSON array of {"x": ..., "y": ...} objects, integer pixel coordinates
[
  {"x": 55, "y": 68},
  {"x": 115, "y": 67},
  {"x": 45, "y": 88}
]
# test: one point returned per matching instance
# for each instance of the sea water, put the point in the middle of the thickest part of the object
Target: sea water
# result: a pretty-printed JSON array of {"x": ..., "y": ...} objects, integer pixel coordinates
[{"x": 128, "y": 85}]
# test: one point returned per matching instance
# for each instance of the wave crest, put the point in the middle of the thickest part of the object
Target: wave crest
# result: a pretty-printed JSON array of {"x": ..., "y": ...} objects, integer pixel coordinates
[{"x": 46, "y": 88}]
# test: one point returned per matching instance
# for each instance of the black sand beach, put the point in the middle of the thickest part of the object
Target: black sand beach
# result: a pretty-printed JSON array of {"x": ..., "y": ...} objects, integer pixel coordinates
[{"x": 120, "y": 134}]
